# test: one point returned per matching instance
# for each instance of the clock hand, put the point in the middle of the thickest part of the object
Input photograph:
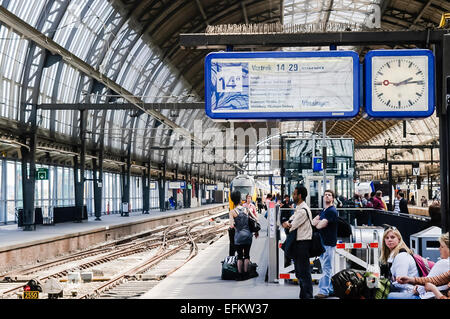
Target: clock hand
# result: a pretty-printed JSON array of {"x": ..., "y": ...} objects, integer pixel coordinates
[
  {"x": 420, "y": 81},
  {"x": 402, "y": 82}
]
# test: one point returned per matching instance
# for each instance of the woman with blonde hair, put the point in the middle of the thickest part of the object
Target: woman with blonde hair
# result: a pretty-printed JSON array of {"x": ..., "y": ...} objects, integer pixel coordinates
[
  {"x": 438, "y": 280},
  {"x": 396, "y": 260}
]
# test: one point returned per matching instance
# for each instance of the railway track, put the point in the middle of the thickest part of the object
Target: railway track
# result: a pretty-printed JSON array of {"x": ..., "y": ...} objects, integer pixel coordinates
[
  {"x": 145, "y": 251},
  {"x": 138, "y": 272}
]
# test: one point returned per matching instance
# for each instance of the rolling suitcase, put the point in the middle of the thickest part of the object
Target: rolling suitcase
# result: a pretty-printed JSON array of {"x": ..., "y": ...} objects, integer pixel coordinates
[{"x": 229, "y": 268}]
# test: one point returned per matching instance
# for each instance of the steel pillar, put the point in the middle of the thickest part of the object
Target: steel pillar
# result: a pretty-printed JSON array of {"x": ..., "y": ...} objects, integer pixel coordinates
[
  {"x": 97, "y": 173},
  {"x": 28, "y": 180},
  {"x": 162, "y": 187},
  {"x": 175, "y": 191},
  {"x": 442, "y": 54},
  {"x": 78, "y": 170},
  {"x": 126, "y": 188},
  {"x": 146, "y": 177}
]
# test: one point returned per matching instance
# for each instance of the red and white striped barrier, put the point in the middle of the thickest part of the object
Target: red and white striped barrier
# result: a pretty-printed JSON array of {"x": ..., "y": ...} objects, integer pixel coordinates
[
  {"x": 288, "y": 272},
  {"x": 355, "y": 245},
  {"x": 340, "y": 260},
  {"x": 342, "y": 255}
]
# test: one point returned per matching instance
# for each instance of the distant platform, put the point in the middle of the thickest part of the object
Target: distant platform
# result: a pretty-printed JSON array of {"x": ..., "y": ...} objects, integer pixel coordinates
[{"x": 18, "y": 247}]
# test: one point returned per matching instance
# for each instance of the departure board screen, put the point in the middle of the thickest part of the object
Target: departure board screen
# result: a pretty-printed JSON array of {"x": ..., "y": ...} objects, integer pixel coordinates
[{"x": 271, "y": 85}]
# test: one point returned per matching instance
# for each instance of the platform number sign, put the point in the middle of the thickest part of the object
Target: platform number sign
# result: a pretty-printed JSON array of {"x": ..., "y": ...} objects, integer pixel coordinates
[
  {"x": 31, "y": 294},
  {"x": 416, "y": 171},
  {"x": 230, "y": 80},
  {"x": 42, "y": 174}
]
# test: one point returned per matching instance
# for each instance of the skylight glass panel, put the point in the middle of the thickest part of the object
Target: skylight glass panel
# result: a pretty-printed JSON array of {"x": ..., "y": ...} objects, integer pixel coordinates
[
  {"x": 83, "y": 21},
  {"x": 28, "y": 11},
  {"x": 133, "y": 68}
]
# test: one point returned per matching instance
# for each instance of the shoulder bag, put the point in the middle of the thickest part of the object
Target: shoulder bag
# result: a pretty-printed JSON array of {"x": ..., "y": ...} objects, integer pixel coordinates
[
  {"x": 253, "y": 225},
  {"x": 317, "y": 248}
]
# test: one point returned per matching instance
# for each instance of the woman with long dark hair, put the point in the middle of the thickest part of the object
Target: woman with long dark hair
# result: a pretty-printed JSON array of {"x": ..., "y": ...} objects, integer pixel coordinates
[{"x": 243, "y": 235}]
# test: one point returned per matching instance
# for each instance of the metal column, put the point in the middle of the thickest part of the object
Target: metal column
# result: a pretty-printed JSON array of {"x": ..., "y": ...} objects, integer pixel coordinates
[
  {"x": 126, "y": 188},
  {"x": 28, "y": 180},
  {"x": 442, "y": 104},
  {"x": 175, "y": 191},
  {"x": 97, "y": 173},
  {"x": 146, "y": 177},
  {"x": 78, "y": 170},
  {"x": 162, "y": 187}
]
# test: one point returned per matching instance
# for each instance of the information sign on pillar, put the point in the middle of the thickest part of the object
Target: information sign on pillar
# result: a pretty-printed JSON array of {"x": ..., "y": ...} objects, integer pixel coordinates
[
  {"x": 279, "y": 85},
  {"x": 42, "y": 174}
]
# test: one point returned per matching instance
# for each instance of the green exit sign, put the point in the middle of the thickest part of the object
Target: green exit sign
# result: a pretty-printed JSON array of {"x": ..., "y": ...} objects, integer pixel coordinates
[{"x": 42, "y": 174}]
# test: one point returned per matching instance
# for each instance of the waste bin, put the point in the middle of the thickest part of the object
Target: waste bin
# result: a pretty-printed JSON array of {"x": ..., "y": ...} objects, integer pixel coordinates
[{"x": 426, "y": 243}]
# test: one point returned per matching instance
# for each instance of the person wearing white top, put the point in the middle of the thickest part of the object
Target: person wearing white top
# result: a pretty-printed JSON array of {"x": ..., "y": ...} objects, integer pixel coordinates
[
  {"x": 396, "y": 260},
  {"x": 403, "y": 264},
  {"x": 397, "y": 203},
  {"x": 442, "y": 266}
]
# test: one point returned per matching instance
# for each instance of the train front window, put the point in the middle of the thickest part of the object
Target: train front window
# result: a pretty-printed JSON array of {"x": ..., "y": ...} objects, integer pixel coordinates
[{"x": 244, "y": 191}]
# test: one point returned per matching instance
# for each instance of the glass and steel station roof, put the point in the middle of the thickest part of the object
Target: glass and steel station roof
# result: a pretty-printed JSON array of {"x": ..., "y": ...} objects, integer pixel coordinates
[{"x": 132, "y": 49}]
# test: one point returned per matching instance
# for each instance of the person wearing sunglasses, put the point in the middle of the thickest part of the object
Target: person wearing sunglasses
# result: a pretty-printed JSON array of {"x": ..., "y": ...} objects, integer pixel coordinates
[{"x": 396, "y": 260}]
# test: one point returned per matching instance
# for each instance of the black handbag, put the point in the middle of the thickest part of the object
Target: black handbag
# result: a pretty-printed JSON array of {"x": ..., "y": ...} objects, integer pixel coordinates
[
  {"x": 253, "y": 224},
  {"x": 317, "y": 248}
]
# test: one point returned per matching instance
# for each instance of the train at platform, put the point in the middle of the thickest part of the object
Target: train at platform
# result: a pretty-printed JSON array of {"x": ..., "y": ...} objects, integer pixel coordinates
[{"x": 247, "y": 184}]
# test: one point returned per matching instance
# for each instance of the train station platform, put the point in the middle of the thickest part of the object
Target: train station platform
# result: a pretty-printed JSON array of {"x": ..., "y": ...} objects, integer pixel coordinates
[
  {"x": 200, "y": 277},
  {"x": 18, "y": 247}
]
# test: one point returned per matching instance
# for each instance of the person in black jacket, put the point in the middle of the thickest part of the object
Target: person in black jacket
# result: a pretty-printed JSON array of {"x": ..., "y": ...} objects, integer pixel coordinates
[
  {"x": 403, "y": 204},
  {"x": 286, "y": 212}
]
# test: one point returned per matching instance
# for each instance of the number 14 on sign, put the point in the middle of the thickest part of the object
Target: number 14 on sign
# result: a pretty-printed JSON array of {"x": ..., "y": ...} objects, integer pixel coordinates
[{"x": 230, "y": 80}]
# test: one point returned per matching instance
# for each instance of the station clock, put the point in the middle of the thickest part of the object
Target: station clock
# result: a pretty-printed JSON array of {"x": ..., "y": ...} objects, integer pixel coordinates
[{"x": 399, "y": 83}]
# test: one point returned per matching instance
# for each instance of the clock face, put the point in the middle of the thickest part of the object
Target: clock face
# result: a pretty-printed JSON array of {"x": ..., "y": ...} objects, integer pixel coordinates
[{"x": 400, "y": 83}]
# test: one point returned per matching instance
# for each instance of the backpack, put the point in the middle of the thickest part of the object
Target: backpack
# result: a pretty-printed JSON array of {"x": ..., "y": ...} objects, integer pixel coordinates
[
  {"x": 423, "y": 265},
  {"x": 349, "y": 284},
  {"x": 343, "y": 227},
  {"x": 383, "y": 289}
]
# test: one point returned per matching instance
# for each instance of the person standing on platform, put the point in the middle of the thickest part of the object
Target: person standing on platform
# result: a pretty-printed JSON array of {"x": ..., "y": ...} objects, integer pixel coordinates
[
  {"x": 252, "y": 208},
  {"x": 243, "y": 235},
  {"x": 259, "y": 204},
  {"x": 326, "y": 223},
  {"x": 286, "y": 212},
  {"x": 403, "y": 203},
  {"x": 397, "y": 202},
  {"x": 424, "y": 201},
  {"x": 377, "y": 201},
  {"x": 301, "y": 221},
  {"x": 266, "y": 204}
]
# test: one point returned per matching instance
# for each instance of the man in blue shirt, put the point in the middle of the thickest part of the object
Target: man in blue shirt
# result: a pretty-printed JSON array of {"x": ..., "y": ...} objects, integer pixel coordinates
[{"x": 326, "y": 223}]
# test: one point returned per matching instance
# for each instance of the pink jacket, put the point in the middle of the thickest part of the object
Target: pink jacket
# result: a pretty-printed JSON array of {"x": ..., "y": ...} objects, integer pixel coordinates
[{"x": 377, "y": 203}]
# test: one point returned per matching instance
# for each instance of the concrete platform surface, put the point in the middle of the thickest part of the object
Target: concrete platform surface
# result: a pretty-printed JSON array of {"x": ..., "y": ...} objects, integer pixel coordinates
[{"x": 200, "y": 277}]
